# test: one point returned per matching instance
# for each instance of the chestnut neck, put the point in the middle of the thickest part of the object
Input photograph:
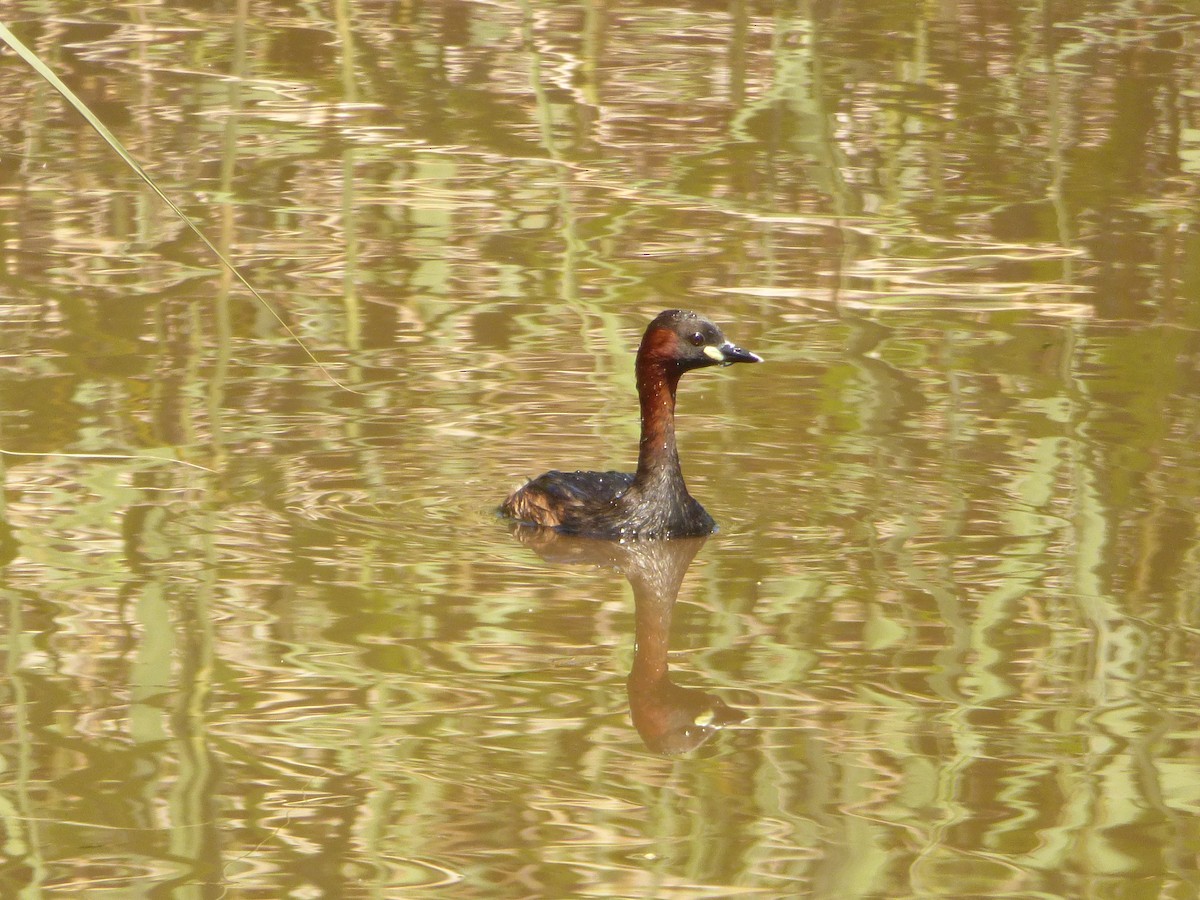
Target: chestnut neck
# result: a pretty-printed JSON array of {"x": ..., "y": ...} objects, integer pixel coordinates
[{"x": 658, "y": 456}]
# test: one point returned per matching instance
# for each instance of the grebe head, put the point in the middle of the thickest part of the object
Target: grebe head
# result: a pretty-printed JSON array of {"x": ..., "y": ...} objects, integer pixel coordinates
[{"x": 686, "y": 340}]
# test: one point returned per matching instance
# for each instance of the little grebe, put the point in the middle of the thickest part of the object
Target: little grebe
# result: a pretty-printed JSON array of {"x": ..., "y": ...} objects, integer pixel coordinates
[{"x": 654, "y": 502}]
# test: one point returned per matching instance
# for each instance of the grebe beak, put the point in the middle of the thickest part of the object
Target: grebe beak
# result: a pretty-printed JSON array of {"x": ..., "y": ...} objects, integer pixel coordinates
[{"x": 727, "y": 354}]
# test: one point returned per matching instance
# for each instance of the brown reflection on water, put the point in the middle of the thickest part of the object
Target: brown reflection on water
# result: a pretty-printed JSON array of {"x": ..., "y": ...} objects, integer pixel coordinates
[{"x": 669, "y": 718}]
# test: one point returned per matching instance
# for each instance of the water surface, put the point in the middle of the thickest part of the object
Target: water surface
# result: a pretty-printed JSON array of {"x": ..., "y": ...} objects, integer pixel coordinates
[{"x": 267, "y": 638}]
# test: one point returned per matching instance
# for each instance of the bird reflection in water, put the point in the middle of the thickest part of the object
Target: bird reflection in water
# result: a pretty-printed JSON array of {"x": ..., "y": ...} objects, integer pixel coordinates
[{"x": 670, "y": 719}]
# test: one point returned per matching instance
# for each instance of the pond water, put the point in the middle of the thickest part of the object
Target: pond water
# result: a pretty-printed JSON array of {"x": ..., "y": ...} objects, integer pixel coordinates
[{"x": 266, "y": 636}]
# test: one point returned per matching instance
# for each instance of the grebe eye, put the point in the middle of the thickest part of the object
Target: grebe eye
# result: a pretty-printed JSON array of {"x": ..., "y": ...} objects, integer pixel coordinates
[{"x": 697, "y": 339}]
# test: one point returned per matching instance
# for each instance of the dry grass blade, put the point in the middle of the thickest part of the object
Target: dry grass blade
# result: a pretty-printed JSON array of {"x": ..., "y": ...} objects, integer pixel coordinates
[{"x": 117, "y": 147}]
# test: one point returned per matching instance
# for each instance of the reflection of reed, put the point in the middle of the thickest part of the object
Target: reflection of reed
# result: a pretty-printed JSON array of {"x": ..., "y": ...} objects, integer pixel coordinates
[{"x": 669, "y": 718}]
